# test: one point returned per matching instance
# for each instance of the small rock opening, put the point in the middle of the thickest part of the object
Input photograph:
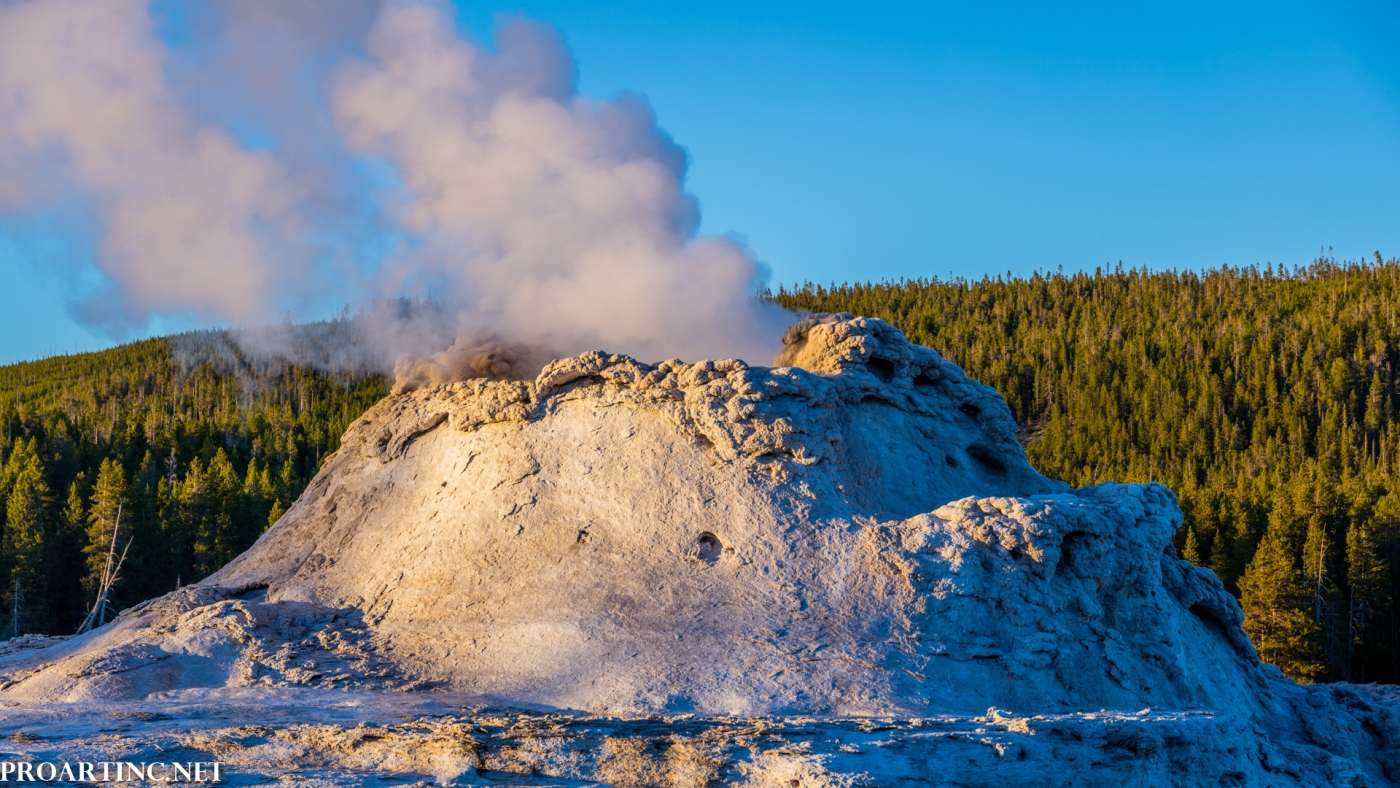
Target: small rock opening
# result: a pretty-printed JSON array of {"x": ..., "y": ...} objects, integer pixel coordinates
[
  {"x": 1070, "y": 548},
  {"x": 970, "y": 409},
  {"x": 985, "y": 456},
  {"x": 1211, "y": 620},
  {"x": 881, "y": 368},
  {"x": 924, "y": 379},
  {"x": 254, "y": 593},
  {"x": 709, "y": 547}
]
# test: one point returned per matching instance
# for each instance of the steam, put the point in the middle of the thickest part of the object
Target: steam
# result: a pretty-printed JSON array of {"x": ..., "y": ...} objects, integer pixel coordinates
[
  {"x": 540, "y": 222},
  {"x": 190, "y": 222}
]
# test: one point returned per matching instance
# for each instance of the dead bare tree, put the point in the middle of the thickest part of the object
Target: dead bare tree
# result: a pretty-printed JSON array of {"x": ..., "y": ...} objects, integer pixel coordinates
[
  {"x": 97, "y": 616},
  {"x": 16, "y": 601}
]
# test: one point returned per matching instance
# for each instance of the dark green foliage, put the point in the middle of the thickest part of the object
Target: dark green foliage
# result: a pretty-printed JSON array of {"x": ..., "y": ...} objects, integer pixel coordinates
[
  {"x": 197, "y": 442},
  {"x": 1280, "y": 621},
  {"x": 1266, "y": 398}
]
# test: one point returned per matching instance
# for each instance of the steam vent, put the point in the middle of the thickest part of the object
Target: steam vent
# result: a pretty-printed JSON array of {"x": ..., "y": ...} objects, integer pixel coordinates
[{"x": 849, "y": 552}]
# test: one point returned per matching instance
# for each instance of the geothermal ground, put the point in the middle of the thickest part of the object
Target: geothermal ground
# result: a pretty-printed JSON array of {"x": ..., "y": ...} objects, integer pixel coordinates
[
  {"x": 336, "y": 738},
  {"x": 839, "y": 571}
]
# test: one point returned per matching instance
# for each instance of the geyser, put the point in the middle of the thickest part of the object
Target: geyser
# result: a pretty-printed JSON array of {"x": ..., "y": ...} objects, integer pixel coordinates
[{"x": 857, "y": 535}]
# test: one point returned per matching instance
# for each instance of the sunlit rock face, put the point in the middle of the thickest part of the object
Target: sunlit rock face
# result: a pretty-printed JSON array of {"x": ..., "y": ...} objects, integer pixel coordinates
[{"x": 855, "y": 532}]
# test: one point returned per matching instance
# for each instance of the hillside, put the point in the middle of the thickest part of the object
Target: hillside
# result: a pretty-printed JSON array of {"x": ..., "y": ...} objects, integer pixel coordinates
[
  {"x": 1266, "y": 399},
  {"x": 200, "y": 445}
]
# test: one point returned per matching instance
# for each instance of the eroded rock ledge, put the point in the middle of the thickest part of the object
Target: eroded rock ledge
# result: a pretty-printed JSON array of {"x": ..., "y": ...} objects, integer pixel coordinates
[{"x": 745, "y": 414}]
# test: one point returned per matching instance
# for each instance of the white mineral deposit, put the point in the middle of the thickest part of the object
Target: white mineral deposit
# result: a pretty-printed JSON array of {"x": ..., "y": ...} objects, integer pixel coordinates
[{"x": 839, "y": 571}]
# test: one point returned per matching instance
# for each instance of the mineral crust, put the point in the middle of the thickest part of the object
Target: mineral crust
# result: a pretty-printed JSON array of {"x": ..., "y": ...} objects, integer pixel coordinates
[{"x": 855, "y": 535}]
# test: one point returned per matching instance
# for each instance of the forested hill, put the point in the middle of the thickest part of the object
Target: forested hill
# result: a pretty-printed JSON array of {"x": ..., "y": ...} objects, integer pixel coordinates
[
  {"x": 1267, "y": 399},
  {"x": 200, "y": 446}
]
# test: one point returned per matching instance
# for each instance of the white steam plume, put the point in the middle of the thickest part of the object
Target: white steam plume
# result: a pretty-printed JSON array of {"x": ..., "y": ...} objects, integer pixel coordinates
[
  {"x": 529, "y": 213},
  {"x": 191, "y": 223},
  {"x": 554, "y": 218}
]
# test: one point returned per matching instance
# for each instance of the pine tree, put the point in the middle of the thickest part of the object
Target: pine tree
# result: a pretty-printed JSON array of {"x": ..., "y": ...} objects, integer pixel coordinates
[
  {"x": 1315, "y": 551},
  {"x": 26, "y": 537},
  {"x": 1191, "y": 551},
  {"x": 1366, "y": 579},
  {"x": 68, "y": 564},
  {"x": 73, "y": 520},
  {"x": 276, "y": 513},
  {"x": 1375, "y": 418},
  {"x": 109, "y": 496},
  {"x": 1222, "y": 553},
  {"x": 1278, "y": 614}
]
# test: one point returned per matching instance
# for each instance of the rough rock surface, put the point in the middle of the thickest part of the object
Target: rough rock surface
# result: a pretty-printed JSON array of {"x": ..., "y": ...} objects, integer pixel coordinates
[{"x": 857, "y": 535}]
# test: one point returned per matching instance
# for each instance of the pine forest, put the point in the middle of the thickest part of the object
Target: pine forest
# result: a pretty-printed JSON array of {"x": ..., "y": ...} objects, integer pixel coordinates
[
  {"x": 178, "y": 452},
  {"x": 1266, "y": 398}
]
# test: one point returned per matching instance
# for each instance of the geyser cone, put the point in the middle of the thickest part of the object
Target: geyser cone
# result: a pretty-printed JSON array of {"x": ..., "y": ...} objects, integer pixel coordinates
[
  {"x": 862, "y": 535},
  {"x": 731, "y": 539}
]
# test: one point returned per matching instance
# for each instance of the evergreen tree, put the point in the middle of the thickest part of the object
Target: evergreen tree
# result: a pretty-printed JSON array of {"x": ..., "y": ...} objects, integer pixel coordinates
[
  {"x": 1223, "y": 553},
  {"x": 1366, "y": 579},
  {"x": 74, "y": 518},
  {"x": 275, "y": 513},
  {"x": 26, "y": 540},
  {"x": 1315, "y": 563},
  {"x": 1277, "y": 611},
  {"x": 1192, "y": 551},
  {"x": 67, "y": 561},
  {"x": 105, "y": 535}
]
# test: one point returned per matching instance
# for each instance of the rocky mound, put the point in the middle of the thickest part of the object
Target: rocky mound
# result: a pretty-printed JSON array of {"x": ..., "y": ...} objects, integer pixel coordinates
[{"x": 855, "y": 533}]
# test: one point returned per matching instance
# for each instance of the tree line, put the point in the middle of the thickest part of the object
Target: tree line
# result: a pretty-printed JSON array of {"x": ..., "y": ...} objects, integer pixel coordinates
[
  {"x": 179, "y": 451},
  {"x": 1266, "y": 398}
]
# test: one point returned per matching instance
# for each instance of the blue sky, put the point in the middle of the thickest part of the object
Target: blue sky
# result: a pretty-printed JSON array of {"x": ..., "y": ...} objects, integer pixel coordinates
[{"x": 871, "y": 141}]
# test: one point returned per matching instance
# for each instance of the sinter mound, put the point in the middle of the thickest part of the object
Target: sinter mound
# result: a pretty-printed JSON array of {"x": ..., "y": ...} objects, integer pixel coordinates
[{"x": 856, "y": 532}]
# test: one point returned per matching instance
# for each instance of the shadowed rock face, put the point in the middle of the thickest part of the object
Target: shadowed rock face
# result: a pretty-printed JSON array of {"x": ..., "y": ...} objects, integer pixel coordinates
[{"x": 858, "y": 533}]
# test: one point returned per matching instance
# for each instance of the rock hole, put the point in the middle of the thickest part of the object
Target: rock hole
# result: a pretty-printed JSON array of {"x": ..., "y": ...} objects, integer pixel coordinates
[
  {"x": 1070, "y": 548},
  {"x": 583, "y": 536},
  {"x": 969, "y": 409},
  {"x": 254, "y": 593},
  {"x": 1211, "y": 620},
  {"x": 881, "y": 368},
  {"x": 951, "y": 460},
  {"x": 582, "y": 381},
  {"x": 924, "y": 379},
  {"x": 709, "y": 548},
  {"x": 986, "y": 457}
]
